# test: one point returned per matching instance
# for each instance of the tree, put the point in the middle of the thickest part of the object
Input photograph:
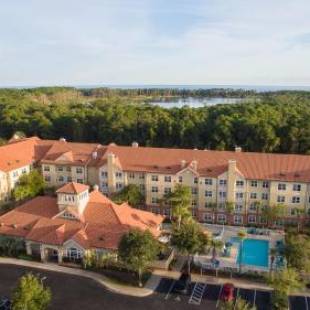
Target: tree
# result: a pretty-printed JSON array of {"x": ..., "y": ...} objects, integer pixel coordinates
[
  {"x": 297, "y": 252},
  {"x": 272, "y": 213},
  {"x": 30, "y": 294},
  {"x": 238, "y": 304},
  {"x": 131, "y": 194},
  {"x": 29, "y": 185},
  {"x": 242, "y": 235},
  {"x": 284, "y": 283},
  {"x": 137, "y": 249},
  {"x": 189, "y": 239},
  {"x": 180, "y": 200}
]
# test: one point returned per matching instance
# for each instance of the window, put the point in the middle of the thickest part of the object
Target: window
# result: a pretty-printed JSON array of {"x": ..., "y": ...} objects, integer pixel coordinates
[
  {"x": 104, "y": 185},
  {"x": 222, "y": 194},
  {"x": 252, "y": 219},
  {"x": 252, "y": 207},
  {"x": 295, "y": 199},
  {"x": 238, "y": 208},
  {"x": 194, "y": 203},
  {"x": 239, "y": 183},
  {"x": 208, "y": 181},
  {"x": 155, "y": 178},
  {"x": 180, "y": 179},
  {"x": 141, "y": 176},
  {"x": 221, "y": 218},
  {"x": 253, "y": 195},
  {"x": 24, "y": 170},
  {"x": 167, "y": 190},
  {"x": 208, "y": 217},
  {"x": 194, "y": 191},
  {"x": 263, "y": 220},
  {"x": 281, "y": 186},
  {"x": 222, "y": 182},
  {"x": 155, "y": 200},
  {"x": 60, "y": 178},
  {"x": 167, "y": 178},
  {"x": 131, "y": 175},
  {"x": 80, "y": 181},
  {"x": 296, "y": 187},
  {"x": 239, "y": 195},
  {"x": 69, "y": 179},
  {"x": 15, "y": 174},
  {"x": 264, "y": 196},
  {"x": 118, "y": 175},
  {"x": 47, "y": 178},
  {"x": 60, "y": 168},
  {"x": 154, "y": 189},
  {"x": 46, "y": 168},
  {"x": 265, "y": 184},
  {"x": 254, "y": 183},
  {"x": 73, "y": 253},
  {"x": 104, "y": 174},
  {"x": 119, "y": 185},
  {"x": 167, "y": 212},
  {"x": 195, "y": 180},
  {"x": 281, "y": 199},
  {"x": 142, "y": 187},
  {"x": 208, "y": 193},
  {"x": 238, "y": 219},
  {"x": 68, "y": 168}
]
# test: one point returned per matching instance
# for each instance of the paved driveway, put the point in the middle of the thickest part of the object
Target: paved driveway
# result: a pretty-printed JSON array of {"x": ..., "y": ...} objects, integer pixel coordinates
[{"x": 74, "y": 292}]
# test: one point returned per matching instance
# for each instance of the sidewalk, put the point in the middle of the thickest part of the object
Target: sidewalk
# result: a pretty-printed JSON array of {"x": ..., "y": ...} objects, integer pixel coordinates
[{"x": 147, "y": 290}]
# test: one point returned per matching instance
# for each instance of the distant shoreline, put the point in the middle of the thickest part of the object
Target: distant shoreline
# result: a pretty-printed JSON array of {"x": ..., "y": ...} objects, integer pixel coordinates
[{"x": 257, "y": 88}]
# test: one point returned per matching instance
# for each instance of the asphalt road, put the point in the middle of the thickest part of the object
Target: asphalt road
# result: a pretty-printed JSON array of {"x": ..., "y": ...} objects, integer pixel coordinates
[{"x": 73, "y": 292}]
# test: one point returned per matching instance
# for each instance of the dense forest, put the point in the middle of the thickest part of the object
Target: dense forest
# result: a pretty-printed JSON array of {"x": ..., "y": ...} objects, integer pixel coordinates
[{"x": 278, "y": 122}]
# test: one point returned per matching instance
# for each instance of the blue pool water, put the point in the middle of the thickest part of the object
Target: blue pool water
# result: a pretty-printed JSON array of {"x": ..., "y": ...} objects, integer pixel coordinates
[{"x": 253, "y": 252}]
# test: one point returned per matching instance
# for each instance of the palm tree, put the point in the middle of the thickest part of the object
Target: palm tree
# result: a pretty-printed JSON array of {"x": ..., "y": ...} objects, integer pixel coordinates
[
  {"x": 242, "y": 235},
  {"x": 180, "y": 200}
]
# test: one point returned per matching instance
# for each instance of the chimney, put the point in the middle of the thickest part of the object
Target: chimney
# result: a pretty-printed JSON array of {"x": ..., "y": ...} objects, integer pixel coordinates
[
  {"x": 238, "y": 149},
  {"x": 135, "y": 144},
  {"x": 96, "y": 188},
  {"x": 94, "y": 155},
  {"x": 183, "y": 163},
  {"x": 62, "y": 139},
  {"x": 194, "y": 164}
]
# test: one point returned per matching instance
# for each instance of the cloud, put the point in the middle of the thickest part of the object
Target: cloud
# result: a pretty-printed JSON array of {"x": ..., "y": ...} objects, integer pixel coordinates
[{"x": 148, "y": 41}]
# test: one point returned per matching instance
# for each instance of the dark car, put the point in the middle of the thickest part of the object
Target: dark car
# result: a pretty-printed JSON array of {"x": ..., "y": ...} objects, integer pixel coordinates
[
  {"x": 227, "y": 293},
  {"x": 183, "y": 284},
  {"x": 5, "y": 303}
]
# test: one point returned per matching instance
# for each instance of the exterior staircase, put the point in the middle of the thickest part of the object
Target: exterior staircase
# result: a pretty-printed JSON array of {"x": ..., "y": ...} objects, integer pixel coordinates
[{"x": 197, "y": 293}]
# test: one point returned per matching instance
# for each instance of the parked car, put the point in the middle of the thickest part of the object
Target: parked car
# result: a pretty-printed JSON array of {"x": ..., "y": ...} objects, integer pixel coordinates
[
  {"x": 5, "y": 303},
  {"x": 183, "y": 284},
  {"x": 227, "y": 293}
]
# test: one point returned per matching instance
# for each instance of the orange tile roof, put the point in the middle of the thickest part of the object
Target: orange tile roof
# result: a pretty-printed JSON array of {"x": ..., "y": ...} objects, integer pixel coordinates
[
  {"x": 73, "y": 188},
  {"x": 104, "y": 222},
  {"x": 264, "y": 166}
]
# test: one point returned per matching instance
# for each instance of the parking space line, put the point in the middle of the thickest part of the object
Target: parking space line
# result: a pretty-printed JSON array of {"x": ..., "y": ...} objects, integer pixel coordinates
[
  {"x": 254, "y": 299},
  {"x": 236, "y": 298},
  {"x": 170, "y": 289},
  {"x": 307, "y": 306},
  {"x": 218, "y": 297}
]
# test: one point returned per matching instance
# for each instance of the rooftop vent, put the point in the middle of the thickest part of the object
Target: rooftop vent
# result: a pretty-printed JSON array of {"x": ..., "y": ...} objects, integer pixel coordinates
[
  {"x": 94, "y": 155},
  {"x": 296, "y": 175},
  {"x": 135, "y": 144},
  {"x": 238, "y": 149},
  {"x": 96, "y": 188},
  {"x": 62, "y": 139},
  {"x": 183, "y": 163}
]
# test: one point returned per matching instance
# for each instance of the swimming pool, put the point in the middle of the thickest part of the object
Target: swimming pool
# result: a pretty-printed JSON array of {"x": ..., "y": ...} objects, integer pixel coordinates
[{"x": 253, "y": 252}]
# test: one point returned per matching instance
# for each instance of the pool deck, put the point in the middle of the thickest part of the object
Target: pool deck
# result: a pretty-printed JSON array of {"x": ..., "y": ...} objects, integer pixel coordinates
[{"x": 225, "y": 234}]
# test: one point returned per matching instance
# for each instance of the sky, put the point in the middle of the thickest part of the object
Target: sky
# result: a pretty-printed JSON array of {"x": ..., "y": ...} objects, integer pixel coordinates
[{"x": 227, "y": 42}]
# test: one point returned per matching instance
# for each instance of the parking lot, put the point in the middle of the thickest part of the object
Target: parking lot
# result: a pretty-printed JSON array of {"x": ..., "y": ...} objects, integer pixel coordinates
[{"x": 210, "y": 297}]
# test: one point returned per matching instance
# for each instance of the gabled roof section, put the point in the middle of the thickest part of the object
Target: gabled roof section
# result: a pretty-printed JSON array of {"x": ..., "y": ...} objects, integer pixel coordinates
[{"x": 73, "y": 188}]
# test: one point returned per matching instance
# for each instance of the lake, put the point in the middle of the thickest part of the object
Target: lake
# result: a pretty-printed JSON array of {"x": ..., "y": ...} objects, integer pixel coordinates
[{"x": 194, "y": 102}]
